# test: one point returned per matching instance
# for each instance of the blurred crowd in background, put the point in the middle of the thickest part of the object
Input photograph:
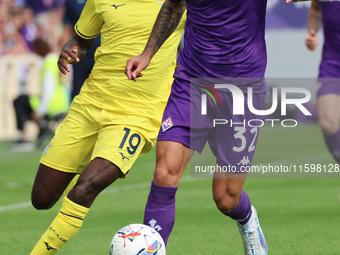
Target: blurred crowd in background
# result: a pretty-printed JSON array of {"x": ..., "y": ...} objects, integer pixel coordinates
[
  {"x": 22, "y": 21},
  {"x": 36, "y": 28},
  {"x": 29, "y": 26}
]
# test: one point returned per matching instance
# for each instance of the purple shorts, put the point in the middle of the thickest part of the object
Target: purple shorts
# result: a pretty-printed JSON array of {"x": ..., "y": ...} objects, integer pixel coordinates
[
  {"x": 329, "y": 77},
  {"x": 232, "y": 138}
]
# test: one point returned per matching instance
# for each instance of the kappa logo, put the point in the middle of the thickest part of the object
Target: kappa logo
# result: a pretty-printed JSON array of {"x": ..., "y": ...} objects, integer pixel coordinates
[
  {"x": 48, "y": 247},
  {"x": 116, "y": 6},
  {"x": 123, "y": 156},
  {"x": 153, "y": 223},
  {"x": 244, "y": 161},
  {"x": 167, "y": 124}
]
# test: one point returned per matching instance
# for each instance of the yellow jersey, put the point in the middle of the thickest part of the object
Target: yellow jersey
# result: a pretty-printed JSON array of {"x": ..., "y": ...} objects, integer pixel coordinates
[{"x": 125, "y": 26}]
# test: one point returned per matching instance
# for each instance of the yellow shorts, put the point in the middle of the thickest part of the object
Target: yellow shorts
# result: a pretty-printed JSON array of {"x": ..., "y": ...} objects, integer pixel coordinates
[{"x": 89, "y": 132}]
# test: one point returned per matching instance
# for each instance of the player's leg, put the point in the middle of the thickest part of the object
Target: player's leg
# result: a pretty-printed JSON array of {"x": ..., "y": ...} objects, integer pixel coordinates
[
  {"x": 329, "y": 120},
  {"x": 234, "y": 147},
  {"x": 234, "y": 202},
  {"x": 99, "y": 174},
  {"x": 171, "y": 161},
  {"x": 69, "y": 187},
  {"x": 227, "y": 191},
  {"x": 172, "y": 156},
  {"x": 48, "y": 187},
  {"x": 116, "y": 149},
  {"x": 23, "y": 111},
  {"x": 67, "y": 154}
]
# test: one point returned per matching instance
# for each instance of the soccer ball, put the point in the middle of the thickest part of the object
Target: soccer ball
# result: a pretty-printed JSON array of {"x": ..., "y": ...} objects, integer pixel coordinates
[{"x": 137, "y": 239}]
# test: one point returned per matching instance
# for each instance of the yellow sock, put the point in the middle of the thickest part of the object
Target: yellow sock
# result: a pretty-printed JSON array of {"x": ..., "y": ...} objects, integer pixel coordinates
[{"x": 65, "y": 226}]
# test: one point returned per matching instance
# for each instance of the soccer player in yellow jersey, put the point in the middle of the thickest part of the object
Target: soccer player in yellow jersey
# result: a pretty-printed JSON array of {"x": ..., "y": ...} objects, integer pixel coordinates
[{"x": 112, "y": 121}]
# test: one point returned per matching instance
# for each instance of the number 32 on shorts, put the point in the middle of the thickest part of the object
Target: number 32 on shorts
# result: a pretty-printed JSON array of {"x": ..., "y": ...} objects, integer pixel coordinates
[
  {"x": 132, "y": 142},
  {"x": 240, "y": 133}
]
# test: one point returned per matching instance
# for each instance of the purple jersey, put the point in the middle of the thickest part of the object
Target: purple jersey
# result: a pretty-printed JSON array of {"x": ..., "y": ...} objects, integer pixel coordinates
[
  {"x": 223, "y": 43},
  {"x": 329, "y": 71},
  {"x": 224, "y": 39},
  {"x": 232, "y": 142},
  {"x": 331, "y": 28}
]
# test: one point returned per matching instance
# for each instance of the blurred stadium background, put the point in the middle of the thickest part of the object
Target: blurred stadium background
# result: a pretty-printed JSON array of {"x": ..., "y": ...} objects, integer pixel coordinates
[{"x": 298, "y": 215}]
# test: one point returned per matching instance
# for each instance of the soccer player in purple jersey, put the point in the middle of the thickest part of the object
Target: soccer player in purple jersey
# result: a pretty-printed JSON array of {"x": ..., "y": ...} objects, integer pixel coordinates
[
  {"x": 326, "y": 14},
  {"x": 223, "y": 39}
]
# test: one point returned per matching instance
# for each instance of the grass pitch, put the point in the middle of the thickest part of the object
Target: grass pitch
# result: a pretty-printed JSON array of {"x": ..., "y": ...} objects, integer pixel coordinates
[{"x": 297, "y": 215}]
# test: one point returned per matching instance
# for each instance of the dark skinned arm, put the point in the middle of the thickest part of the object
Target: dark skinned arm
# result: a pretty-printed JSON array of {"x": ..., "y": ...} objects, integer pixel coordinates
[{"x": 73, "y": 51}]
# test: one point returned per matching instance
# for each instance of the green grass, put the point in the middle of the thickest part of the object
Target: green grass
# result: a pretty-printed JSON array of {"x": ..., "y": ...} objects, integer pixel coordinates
[{"x": 298, "y": 215}]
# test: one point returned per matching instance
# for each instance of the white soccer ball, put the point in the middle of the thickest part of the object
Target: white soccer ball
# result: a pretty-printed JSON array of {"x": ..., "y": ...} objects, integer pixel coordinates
[{"x": 137, "y": 239}]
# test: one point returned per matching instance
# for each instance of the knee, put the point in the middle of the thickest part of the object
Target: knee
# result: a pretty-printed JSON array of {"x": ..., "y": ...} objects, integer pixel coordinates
[
  {"x": 328, "y": 126},
  {"x": 225, "y": 202},
  {"x": 165, "y": 176},
  {"x": 42, "y": 200}
]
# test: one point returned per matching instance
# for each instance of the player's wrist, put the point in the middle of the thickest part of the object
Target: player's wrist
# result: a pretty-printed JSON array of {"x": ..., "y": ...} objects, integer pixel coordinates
[{"x": 148, "y": 53}]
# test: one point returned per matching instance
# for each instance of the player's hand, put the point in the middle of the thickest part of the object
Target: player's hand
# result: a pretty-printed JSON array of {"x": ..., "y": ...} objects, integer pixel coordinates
[
  {"x": 135, "y": 65},
  {"x": 67, "y": 56},
  {"x": 312, "y": 40}
]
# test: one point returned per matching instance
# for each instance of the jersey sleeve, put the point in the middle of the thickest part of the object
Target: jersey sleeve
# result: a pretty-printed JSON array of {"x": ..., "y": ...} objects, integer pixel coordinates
[{"x": 90, "y": 21}]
